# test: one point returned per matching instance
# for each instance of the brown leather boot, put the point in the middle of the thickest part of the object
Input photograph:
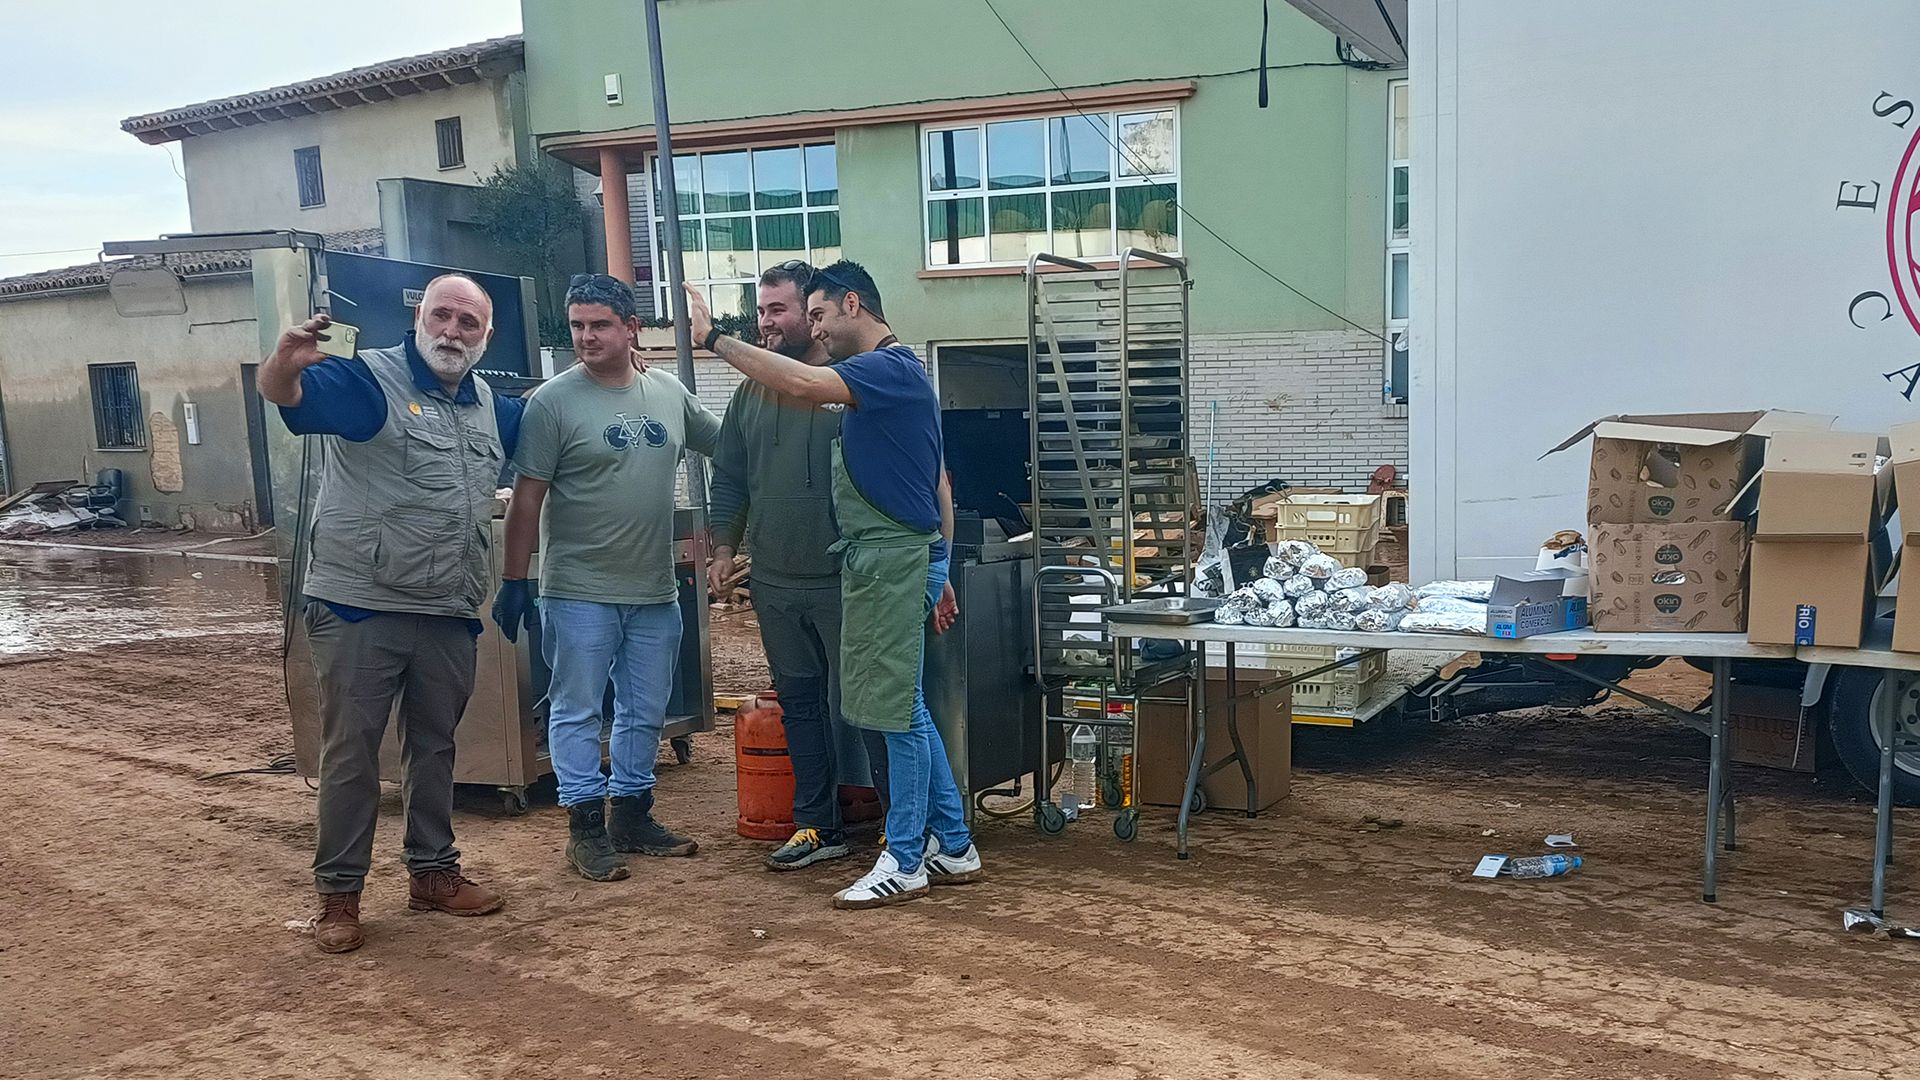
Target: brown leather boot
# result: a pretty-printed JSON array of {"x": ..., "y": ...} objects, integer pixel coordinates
[
  {"x": 451, "y": 892},
  {"x": 338, "y": 928}
]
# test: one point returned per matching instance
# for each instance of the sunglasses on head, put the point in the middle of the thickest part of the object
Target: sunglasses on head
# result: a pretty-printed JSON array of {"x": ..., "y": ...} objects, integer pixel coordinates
[{"x": 578, "y": 280}]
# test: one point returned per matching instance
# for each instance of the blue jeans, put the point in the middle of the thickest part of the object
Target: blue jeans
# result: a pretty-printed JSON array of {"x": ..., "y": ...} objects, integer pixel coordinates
[
  {"x": 924, "y": 797},
  {"x": 584, "y": 642}
]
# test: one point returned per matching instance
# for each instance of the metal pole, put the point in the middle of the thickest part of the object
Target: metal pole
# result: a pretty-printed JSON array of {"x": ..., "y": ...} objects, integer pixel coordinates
[
  {"x": 1716, "y": 775},
  {"x": 676, "y": 265}
]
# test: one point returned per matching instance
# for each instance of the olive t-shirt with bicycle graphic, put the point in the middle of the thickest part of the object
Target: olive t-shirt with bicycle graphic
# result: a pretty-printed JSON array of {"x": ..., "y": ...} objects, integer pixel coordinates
[{"x": 611, "y": 458}]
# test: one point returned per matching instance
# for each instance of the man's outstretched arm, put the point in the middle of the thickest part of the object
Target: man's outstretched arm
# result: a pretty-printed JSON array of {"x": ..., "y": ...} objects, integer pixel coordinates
[{"x": 819, "y": 385}]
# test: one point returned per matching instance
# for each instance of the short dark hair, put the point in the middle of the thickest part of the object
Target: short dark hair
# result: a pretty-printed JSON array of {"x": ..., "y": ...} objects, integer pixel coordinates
[
  {"x": 602, "y": 289},
  {"x": 796, "y": 272},
  {"x": 847, "y": 276}
]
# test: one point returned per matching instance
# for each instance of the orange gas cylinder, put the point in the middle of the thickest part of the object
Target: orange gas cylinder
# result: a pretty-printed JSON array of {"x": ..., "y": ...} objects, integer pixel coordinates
[{"x": 764, "y": 772}]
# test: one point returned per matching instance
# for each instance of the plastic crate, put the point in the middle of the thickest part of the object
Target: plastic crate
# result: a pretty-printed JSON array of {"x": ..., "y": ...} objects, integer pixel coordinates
[
  {"x": 1341, "y": 692},
  {"x": 1340, "y": 525}
]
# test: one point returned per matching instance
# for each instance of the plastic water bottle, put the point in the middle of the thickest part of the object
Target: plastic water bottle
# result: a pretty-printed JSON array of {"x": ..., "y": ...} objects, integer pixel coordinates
[
  {"x": 1543, "y": 866},
  {"x": 1082, "y": 750}
]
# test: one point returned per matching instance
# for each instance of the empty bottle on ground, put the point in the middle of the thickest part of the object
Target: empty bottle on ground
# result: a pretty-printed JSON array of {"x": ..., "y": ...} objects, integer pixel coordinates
[{"x": 1543, "y": 866}]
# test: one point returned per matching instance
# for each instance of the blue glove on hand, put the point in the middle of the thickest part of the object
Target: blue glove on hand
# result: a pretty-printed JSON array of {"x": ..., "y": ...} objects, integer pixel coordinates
[{"x": 514, "y": 606}]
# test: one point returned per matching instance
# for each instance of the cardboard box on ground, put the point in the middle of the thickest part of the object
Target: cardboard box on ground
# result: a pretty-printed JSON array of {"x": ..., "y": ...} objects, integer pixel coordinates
[
  {"x": 1266, "y": 731},
  {"x": 1666, "y": 547},
  {"x": 1767, "y": 728},
  {"x": 1821, "y": 508}
]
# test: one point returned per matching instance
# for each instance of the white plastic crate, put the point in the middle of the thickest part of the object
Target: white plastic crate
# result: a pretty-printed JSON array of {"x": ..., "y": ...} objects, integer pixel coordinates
[{"x": 1340, "y": 525}]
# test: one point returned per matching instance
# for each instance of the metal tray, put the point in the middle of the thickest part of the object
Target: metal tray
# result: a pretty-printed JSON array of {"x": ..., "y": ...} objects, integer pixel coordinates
[{"x": 1177, "y": 611}]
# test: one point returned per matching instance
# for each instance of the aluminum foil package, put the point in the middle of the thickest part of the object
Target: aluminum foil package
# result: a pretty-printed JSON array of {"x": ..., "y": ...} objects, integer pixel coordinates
[
  {"x": 1228, "y": 615},
  {"x": 1259, "y": 617},
  {"x": 1347, "y": 577},
  {"x": 1449, "y": 605},
  {"x": 1322, "y": 567},
  {"x": 1295, "y": 551},
  {"x": 1375, "y": 621},
  {"x": 1313, "y": 605},
  {"x": 1280, "y": 568},
  {"x": 1465, "y": 590},
  {"x": 1244, "y": 599},
  {"x": 1311, "y": 622},
  {"x": 1281, "y": 613},
  {"x": 1392, "y": 597},
  {"x": 1425, "y": 622},
  {"x": 1298, "y": 586},
  {"x": 1269, "y": 590},
  {"x": 1349, "y": 601},
  {"x": 1341, "y": 620}
]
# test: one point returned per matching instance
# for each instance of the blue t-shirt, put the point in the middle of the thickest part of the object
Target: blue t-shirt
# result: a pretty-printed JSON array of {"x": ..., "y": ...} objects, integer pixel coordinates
[
  {"x": 339, "y": 396},
  {"x": 891, "y": 436}
]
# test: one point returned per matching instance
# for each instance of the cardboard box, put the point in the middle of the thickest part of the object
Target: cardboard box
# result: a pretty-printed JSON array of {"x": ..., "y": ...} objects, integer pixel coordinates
[
  {"x": 1767, "y": 728},
  {"x": 1904, "y": 467},
  {"x": 1535, "y": 602},
  {"x": 1813, "y": 539},
  {"x": 1677, "y": 468},
  {"x": 1669, "y": 578},
  {"x": 1266, "y": 730}
]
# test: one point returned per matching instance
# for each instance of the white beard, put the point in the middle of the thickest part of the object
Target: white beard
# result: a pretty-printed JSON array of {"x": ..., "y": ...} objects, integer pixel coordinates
[{"x": 448, "y": 358}]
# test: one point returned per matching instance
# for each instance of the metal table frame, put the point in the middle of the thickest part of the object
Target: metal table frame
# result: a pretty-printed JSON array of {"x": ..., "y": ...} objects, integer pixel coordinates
[{"x": 1721, "y": 649}]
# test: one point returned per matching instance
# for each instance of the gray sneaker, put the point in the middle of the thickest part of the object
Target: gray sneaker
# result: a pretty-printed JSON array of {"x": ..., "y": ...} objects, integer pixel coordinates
[{"x": 806, "y": 847}]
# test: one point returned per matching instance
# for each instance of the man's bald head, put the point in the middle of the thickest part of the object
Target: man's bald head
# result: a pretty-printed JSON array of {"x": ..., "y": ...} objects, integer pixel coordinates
[{"x": 453, "y": 325}]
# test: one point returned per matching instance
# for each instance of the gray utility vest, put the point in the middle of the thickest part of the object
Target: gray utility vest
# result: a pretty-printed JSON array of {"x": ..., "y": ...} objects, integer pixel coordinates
[{"x": 404, "y": 521}]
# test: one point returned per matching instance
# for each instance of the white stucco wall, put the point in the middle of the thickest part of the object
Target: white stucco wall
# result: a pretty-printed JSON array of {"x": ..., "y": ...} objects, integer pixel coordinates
[
  {"x": 1643, "y": 206},
  {"x": 244, "y": 178}
]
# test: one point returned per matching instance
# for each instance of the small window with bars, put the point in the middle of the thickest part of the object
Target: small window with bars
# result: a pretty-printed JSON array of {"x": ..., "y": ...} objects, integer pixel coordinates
[
  {"x": 446, "y": 135},
  {"x": 118, "y": 422},
  {"x": 306, "y": 171}
]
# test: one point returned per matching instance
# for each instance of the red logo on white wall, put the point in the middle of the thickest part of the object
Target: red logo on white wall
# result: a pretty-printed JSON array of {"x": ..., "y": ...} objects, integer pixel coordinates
[
  {"x": 1903, "y": 216},
  {"x": 1901, "y": 203}
]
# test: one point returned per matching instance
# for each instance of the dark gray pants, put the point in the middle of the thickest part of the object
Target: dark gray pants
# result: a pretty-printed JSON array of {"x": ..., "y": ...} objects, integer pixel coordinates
[
  {"x": 800, "y": 630},
  {"x": 426, "y": 661}
]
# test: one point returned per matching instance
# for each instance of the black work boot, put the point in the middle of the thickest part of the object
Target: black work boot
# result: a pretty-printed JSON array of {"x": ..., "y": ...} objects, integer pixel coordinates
[
  {"x": 588, "y": 847},
  {"x": 633, "y": 828}
]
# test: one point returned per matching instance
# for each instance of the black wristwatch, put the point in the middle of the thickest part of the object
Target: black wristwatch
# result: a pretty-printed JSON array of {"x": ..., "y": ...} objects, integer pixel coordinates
[{"x": 713, "y": 337}]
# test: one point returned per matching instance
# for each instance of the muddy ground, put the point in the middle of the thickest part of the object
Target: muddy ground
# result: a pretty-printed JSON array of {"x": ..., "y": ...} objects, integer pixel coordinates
[{"x": 147, "y": 907}]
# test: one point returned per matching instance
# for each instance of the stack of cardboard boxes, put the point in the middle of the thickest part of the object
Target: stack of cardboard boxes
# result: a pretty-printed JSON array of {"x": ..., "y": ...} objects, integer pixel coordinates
[
  {"x": 1667, "y": 544},
  {"x": 1823, "y": 508}
]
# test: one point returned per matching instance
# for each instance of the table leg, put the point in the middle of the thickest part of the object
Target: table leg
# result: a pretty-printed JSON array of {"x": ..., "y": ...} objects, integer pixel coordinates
[
  {"x": 1197, "y": 719},
  {"x": 1883, "y": 722},
  {"x": 1727, "y": 800},
  {"x": 1233, "y": 735},
  {"x": 1716, "y": 776}
]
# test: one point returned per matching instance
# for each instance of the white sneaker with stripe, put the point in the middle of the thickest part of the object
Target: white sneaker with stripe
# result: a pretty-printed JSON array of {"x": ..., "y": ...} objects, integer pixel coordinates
[
  {"x": 883, "y": 885},
  {"x": 944, "y": 869}
]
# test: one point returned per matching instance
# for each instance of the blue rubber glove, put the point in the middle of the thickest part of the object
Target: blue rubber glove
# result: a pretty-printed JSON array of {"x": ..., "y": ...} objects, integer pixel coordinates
[{"x": 514, "y": 606}]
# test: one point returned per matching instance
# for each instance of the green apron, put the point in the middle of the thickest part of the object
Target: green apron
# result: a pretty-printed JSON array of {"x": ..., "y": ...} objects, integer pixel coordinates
[{"x": 883, "y": 607}]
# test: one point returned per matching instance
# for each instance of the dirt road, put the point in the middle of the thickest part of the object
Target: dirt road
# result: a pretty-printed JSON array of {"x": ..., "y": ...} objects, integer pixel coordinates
[{"x": 147, "y": 909}]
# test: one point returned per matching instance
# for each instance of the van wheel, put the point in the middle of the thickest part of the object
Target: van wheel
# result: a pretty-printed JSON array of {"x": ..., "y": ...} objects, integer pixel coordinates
[{"x": 1857, "y": 693}]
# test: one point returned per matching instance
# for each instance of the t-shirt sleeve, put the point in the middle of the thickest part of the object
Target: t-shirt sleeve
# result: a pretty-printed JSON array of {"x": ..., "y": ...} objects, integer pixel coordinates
[
  {"x": 703, "y": 428},
  {"x": 881, "y": 379},
  {"x": 538, "y": 451},
  {"x": 507, "y": 411},
  {"x": 338, "y": 396}
]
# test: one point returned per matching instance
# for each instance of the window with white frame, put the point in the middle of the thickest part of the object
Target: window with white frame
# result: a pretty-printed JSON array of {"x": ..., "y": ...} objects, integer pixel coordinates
[
  {"x": 745, "y": 211},
  {"x": 1083, "y": 185},
  {"x": 1398, "y": 246}
]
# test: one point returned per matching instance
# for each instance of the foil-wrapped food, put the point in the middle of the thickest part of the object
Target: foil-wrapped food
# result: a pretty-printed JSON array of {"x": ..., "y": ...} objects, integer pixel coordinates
[
  {"x": 1312, "y": 605},
  {"x": 1298, "y": 586},
  {"x": 1322, "y": 567},
  {"x": 1347, "y": 577},
  {"x": 1391, "y": 597},
  {"x": 1350, "y": 600}
]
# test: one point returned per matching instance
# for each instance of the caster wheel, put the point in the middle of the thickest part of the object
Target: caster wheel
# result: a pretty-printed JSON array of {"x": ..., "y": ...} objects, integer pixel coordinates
[
  {"x": 513, "y": 800},
  {"x": 682, "y": 749},
  {"x": 1110, "y": 794},
  {"x": 1126, "y": 826},
  {"x": 1199, "y": 803},
  {"x": 1051, "y": 819}
]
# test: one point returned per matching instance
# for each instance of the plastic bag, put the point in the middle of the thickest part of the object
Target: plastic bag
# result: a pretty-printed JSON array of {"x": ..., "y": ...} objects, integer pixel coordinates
[
  {"x": 1392, "y": 597},
  {"x": 1312, "y": 605},
  {"x": 1465, "y": 590},
  {"x": 1208, "y": 578},
  {"x": 1426, "y": 622},
  {"x": 1295, "y": 551},
  {"x": 1347, "y": 577},
  {"x": 1299, "y": 585},
  {"x": 1375, "y": 621},
  {"x": 1269, "y": 590},
  {"x": 1322, "y": 567},
  {"x": 1281, "y": 612},
  {"x": 1349, "y": 600}
]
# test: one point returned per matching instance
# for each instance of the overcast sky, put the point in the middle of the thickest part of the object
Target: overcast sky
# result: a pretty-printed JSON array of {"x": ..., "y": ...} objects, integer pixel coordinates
[{"x": 71, "y": 70}]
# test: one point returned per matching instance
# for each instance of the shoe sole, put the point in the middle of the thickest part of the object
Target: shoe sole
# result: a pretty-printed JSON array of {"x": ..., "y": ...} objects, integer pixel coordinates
[
  {"x": 837, "y": 851},
  {"x": 965, "y": 877},
  {"x": 335, "y": 950},
  {"x": 428, "y": 905},
  {"x": 618, "y": 875},
  {"x": 677, "y": 852},
  {"x": 881, "y": 901}
]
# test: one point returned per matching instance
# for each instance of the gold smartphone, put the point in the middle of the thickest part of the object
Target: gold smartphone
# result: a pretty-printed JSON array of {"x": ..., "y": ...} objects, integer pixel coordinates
[{"x": 337, "y": 339}]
